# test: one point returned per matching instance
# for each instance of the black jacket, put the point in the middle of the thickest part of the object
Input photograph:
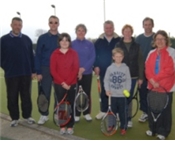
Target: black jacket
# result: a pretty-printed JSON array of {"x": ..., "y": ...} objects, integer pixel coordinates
[{"x": 133, "y": 58}]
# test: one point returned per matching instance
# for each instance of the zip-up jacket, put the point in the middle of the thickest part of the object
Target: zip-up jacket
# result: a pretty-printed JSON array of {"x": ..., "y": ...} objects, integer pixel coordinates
[
  {"x": 64, "y": 67},
  {"x": 86, "y": 54},
  {"x": 166, "y": 74},
  {"x": 103, "y": 50}
]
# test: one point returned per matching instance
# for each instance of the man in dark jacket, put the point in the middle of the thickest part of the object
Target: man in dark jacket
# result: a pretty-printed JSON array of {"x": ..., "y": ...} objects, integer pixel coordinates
[
  {"x": 17, "y": 61},
  {"x": 103, "y": 47}
]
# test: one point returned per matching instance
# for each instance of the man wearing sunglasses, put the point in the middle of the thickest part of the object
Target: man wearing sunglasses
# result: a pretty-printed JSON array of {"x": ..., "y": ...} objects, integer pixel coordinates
[{"x": 46, "y": 44}]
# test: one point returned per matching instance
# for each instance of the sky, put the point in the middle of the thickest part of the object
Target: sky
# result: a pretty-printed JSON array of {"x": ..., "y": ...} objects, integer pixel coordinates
[{"x": 35, "y": 15}]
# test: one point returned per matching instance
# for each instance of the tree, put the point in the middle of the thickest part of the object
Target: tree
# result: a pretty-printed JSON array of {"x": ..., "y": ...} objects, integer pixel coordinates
[{"x": 39, "y": 32}]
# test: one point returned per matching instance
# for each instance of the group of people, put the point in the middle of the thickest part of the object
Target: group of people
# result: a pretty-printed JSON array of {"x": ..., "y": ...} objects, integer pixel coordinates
[{"x": 120, "y": 62}]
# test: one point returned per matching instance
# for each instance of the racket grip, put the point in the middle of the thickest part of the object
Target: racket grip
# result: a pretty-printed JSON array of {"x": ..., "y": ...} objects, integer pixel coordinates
[{"x": 109, "y": 100}]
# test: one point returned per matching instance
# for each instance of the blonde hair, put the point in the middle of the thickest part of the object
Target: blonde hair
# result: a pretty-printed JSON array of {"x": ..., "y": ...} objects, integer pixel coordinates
[
  {"x": 127, "y": 26},
  {"x": 117, "y": 50}
]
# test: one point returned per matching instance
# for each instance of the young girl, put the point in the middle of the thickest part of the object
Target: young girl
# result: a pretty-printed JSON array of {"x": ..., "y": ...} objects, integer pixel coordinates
[{"x": 64, "y": 68}]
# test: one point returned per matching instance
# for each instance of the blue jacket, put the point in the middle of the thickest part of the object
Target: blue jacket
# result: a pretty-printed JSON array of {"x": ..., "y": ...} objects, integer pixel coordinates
[
  {"x": 86, "y": 54},
  {"x": 46, "y": 44},
  {"x": 103, "y": 50},
  {"x": 17, "y": 58}
]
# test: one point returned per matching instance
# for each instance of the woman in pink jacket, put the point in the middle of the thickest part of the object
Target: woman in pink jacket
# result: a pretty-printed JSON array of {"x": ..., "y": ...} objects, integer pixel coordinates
[{"x": 160, "y": 72}]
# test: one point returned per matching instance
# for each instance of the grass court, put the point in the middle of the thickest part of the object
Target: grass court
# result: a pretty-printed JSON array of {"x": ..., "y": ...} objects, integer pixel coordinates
[{"x": 88, "y": 130}]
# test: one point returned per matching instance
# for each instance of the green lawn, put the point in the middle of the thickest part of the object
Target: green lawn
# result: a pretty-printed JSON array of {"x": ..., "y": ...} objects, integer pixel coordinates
[{"x": 88, "y": 130}]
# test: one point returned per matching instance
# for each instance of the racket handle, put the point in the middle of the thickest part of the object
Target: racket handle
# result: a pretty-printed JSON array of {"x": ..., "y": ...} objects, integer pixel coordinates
[
  {"x": 80, "y": 87},
  {"x": 109, "y": 100}
]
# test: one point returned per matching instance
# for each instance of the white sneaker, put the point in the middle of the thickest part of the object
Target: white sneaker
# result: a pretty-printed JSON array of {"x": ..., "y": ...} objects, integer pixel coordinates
[
  {"x": 149, "y": 133},
  {"x": 30, "y": 120},
  {"x": 43, "y": 119},
  {"x": 62, "y": 131},
  {"x": 88, "y": 117},
  {"x": 70, "y": 131},
  {"x": 100, "y": 115},
  {"x": 143, "y": 117},
  {"x": 14, "y": 123},
  {"x": 77, "y": 119},
  {"x": 160, "y": 137},
  {"x": 130, "y": 124}
]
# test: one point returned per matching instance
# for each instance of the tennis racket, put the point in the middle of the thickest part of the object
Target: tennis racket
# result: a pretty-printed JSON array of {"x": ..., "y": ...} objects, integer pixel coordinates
[
  {"x": 99, "y": 88},
  {"x": 42, "y": 101},
  {"x": 157, "y": 99},
  {"x": 135, "y": 103},
  {"x": 62, "y": 112},
  {"x": 81, "y": 100},
  {"x": 109, "y": 124}
]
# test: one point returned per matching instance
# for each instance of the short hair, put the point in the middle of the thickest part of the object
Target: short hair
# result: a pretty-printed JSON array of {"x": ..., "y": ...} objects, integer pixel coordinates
[
  {"x": 64, "y": 35},
  {"x": 17, "y": 19},
  {"x": 164, "y": 34},
  {"x": 148, "y": 19},
  {"x": 117, "y": 50},
  {"x": 54, "y": 17},
  {"x": 81, "y": 26},
  {"x": 108, "y": 22},
  {"x": 127, "y": 26}
]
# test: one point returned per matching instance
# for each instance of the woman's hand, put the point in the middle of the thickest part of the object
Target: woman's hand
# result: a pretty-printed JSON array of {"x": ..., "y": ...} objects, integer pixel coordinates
[{"x": 65, "y": 86}]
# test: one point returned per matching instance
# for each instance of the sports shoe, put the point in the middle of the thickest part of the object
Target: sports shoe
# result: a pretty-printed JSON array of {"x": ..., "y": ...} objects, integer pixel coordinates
[
  {"x": 62, "y": 131},
  {"x": 70, "y": 131},
  {"x": 143, "y": 117},
  {"x": 77, "y": 119},
  {"x": 123, "y": 132},
  {"x": 149, "y": 133},
  {"x": 88, "y": 117},
  {"x": 43, "y": 119},
  {"x": 100, "y": 115},
  {"x": 130, "y": 124},
  {"x": 14, "y": 123},
  {"x": 160, "y": 137},
  {"x": 30, "y": 120}
]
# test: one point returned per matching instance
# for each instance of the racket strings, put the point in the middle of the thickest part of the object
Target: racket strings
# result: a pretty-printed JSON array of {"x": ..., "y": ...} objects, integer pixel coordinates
[
  {"x": 62, "y": 114},
  {"x": 108, "y": 124},
  {"x": 82, "y": 102},
  {"x": 42, "y": 103},
  {"x": 157, "y": 101}
]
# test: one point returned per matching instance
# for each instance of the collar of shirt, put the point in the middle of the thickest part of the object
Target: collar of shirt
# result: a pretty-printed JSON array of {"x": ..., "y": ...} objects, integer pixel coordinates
[
  {"x": 12, "y": 35},
  {"x": 50, "y": 34}
]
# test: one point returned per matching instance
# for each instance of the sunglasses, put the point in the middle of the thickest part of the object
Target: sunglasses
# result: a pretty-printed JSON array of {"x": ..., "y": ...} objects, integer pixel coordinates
[{"x": 53, "y": 22}]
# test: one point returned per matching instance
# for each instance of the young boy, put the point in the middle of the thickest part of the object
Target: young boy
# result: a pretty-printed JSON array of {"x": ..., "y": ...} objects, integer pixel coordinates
[{"x": 117, "y": 79}]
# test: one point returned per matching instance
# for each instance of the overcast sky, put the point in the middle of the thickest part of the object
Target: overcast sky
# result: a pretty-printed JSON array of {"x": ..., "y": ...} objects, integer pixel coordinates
[{"x": 35, "y": 15}]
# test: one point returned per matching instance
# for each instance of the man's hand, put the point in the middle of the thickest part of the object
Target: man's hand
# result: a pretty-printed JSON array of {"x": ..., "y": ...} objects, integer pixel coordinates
[
  {"x": 33, "y": 75},
  {"x": 97, "y": 71},
  {"x": 140, "y": 81},
  {"x": 39, "y": 77}
]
